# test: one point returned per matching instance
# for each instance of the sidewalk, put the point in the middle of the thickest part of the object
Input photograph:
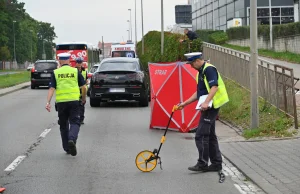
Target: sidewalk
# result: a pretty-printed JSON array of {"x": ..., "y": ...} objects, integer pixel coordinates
[
  {"x": 273, "y": 165},
  {"x": 8, "y": 90}
]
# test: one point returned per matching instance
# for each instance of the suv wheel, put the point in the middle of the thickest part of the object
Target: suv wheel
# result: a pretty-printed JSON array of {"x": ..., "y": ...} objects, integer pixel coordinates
[
  {"x": 144, "y": 101},
  {"x": 32, "y": 86},
  {"x": 94, "y": 102}
]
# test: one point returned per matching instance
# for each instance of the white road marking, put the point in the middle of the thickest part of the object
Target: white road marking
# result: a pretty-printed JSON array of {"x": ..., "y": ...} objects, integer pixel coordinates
[
  {"x": 19, "y": 159},
  {"x": 243, "y": 186},
  {"x": 43, "y": 135},
  {"x": 15, "y": 163},
  {"x": 239, "y": 189}
]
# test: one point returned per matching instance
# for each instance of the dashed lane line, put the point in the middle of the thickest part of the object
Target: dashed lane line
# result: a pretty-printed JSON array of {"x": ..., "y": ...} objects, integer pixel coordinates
[{"x": 19, "y": 159}]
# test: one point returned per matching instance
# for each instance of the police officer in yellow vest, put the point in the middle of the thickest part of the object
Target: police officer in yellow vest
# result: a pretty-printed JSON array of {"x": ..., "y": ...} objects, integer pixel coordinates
[
  {"x": 79, "y": 66},
  {"x": 209, "y": 82},
  {"x": 67, "y": 82}
]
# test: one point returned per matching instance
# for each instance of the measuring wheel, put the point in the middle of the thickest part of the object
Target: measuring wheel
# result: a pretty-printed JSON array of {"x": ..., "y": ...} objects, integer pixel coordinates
[{"x": 146, "y": 161}]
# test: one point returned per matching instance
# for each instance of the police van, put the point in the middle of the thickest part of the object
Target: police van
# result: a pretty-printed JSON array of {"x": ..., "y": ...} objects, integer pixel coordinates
[{"x": 123, "y": 49}]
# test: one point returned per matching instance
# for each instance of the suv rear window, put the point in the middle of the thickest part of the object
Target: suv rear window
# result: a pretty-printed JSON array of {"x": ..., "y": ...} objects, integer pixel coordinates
[
  {"x": 45, "y": 66},
  {"x": 118, "y": 66}
]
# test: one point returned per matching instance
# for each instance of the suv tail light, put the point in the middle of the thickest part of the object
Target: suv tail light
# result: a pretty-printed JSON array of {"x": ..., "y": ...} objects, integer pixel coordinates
[
  {"x": 33, "y": 69},
  {"x": 136, "y": 76}
]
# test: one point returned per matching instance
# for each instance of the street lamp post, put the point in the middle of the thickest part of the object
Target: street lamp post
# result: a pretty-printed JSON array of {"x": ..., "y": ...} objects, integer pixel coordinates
[
  {"x": 128, "y": 28},
  {"x": 130, "y": 25},
  {"x": 31, "y": 46},
  {"x": 162, "y": 27},
  {"x": 128, "y": 34},
  {"x": 143, "y": 43},
  {"x": 135, "y": 22},
  {"x": 15, "y": 59},
  {"x": 271, "y": 24},
  {"x": 253, "y": 65}
]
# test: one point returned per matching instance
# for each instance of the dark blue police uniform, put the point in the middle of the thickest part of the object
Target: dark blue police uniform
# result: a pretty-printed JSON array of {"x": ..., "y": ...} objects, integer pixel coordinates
[
  {"x": 68, "y": 111},
  {"x": 82, "y": 106},
  {"x": 206, "y": 139}
]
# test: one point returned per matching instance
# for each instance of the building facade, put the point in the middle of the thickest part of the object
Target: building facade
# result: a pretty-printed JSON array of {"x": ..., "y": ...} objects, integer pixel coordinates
[{"x": 217, "y": 14}]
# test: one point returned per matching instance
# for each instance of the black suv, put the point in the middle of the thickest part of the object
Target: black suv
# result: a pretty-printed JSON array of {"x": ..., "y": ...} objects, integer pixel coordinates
[
  {"x": 41, "y": 72},
  {"x": 119, "y": 79}
]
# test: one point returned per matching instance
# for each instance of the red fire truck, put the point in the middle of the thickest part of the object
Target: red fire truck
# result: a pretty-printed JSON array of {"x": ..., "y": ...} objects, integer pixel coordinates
[{"x": 89, "y": 53}]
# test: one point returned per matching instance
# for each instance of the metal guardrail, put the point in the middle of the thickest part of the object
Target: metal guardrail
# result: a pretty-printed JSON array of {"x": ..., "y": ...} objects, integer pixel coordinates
[{"x": 276, "y": 84}]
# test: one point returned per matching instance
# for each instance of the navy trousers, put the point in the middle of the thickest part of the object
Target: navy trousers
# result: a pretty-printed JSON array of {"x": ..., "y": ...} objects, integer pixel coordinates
[
  {"x": 69, "y": 121},
  {"x": 82, "y": 110},
  {"x": 206, "y": 139}
]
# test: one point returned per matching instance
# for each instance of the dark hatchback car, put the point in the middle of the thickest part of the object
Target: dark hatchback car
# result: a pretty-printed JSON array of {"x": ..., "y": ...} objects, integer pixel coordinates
[
  {"x": 41, "y": 72},
  {"x": 119, "y": 79}
]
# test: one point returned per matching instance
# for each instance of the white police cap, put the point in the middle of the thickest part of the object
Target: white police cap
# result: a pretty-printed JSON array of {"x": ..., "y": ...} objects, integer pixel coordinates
[
  {"x": 64, "y": 56},
  {"x": 193, "y": 56}
]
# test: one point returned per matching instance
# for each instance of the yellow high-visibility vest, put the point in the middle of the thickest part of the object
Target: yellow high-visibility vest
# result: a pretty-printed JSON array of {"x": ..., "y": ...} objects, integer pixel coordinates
[
  {"x": 67, "y": 88},
  {"x": 221, "y": 96}
]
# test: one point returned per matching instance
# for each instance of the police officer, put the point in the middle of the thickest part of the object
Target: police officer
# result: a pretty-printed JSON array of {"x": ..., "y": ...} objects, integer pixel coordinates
[
  {"x": 209, "y": 82},
  {"x": 81, "y": 69},
  {"x": 66, "y": 81}
]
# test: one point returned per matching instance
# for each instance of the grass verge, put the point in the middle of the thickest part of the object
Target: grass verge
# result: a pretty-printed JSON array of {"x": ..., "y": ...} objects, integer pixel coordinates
[
  {"x": 284, "y": 56},
  {"x": 9, "y": 80},
  {"x": 272, "y": 122}
]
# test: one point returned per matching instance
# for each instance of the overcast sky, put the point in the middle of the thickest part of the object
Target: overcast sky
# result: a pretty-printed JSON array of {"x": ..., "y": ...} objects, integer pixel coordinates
[{"x": 88, "y": 20}]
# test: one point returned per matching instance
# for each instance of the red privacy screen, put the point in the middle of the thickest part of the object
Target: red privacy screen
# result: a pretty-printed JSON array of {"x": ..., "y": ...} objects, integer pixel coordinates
[{"x": 172, "y": 83}]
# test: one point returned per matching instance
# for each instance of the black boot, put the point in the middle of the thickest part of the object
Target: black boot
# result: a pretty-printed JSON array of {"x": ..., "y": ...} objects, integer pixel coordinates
[
  {"x": 215, "y": 167},
  {"x": 198, "y": 168},
  {"x": 72, "y": 148}
]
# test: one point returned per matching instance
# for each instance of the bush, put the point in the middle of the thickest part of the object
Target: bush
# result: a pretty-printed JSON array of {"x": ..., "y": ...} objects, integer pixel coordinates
[
  {"x": 283, "y": 30},
  {"x": 173, "y": 49},
  {"x": 218, "y": 38},
  {"x": 204, "y": 34}
]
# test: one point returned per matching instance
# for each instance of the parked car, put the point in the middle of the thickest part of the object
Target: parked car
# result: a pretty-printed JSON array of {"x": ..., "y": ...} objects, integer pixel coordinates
[
  {"x": 41, "y": 72},
  {"x": 119, "y": 78},
  {"x": 90, "y": 73},
  {"x": 29, "y": 67}
]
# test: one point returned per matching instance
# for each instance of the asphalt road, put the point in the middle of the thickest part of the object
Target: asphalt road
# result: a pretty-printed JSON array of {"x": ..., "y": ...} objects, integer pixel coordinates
[{"x": 107, "y": 146}]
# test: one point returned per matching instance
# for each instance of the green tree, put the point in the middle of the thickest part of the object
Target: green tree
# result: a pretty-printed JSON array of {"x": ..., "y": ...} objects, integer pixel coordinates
[
  {"x": 28, "y": 33},
  {"x": 4, "y": 53}
]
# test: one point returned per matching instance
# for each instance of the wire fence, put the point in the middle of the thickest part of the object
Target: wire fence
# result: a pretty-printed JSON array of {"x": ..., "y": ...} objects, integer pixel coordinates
[
  {"x": 276, "y": 83},
  {"x": 10, "y": 65}
]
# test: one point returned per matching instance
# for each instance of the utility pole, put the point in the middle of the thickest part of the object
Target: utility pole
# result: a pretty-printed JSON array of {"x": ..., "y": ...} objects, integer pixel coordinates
[
  {"x": 130, "y": 25},
  {"x": 271, "y": 24},
  {"x": 253, "y": 65},
  {"x": 162, "y": 27},
  {"x": 31, "y": 47},
  {"x": 15, "y": 59},
  {"x": 103, "y": 48},
  {"x": 213, "y": 15},
  {"x": 135, "y": 23},
  {"x": 143, "y": 43}
]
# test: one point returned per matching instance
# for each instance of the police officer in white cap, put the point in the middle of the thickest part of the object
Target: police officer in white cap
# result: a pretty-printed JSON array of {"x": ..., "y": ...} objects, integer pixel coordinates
[
  {"x": 209, "y": 82},
  {"x": 67, "y": 81}
]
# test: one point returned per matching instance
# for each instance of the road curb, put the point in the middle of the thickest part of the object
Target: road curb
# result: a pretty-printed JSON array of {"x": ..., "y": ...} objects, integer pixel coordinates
[{"x": 17, "y": 88}]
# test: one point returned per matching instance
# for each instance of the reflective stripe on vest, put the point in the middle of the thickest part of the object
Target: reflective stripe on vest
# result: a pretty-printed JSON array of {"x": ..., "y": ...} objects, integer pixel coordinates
[
  {"x": 66, "y": 84},
  {"x": 221, "y": 96}
]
